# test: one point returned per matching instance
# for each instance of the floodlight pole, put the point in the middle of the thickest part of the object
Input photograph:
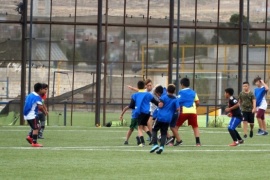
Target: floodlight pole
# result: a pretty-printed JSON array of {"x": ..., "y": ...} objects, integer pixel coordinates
[
  {"x": 240, "y": 55},
  {"x": 98, "y": 65},
  {"x": 30, "y": 48},
  {"x": 170, "y": 63},
  {"x": 247, "y": 50},
  {"x": 23, "y": 62},
  {"x": 178, "y": 47}
]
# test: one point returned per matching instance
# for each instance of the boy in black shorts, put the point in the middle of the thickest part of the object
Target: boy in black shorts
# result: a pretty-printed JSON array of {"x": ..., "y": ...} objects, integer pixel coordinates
[
  {"x": 140, "y": 102},
  {"x": 248, "y": 106}
]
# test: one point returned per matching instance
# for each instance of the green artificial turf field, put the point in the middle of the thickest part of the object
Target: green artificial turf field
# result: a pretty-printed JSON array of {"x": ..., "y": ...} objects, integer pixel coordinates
[{"x": 99, "y": 153}]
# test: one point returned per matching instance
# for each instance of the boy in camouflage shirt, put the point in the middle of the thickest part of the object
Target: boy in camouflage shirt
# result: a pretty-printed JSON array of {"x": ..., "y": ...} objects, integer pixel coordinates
[{"x": 248, "y": 106}]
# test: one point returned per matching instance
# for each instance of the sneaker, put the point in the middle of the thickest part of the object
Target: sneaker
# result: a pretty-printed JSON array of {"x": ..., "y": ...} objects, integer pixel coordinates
[
  {"x": 154, "y": 148},
  {"x": 241, "y": 141},
  {"x": 260, "y": 132},
  {"x": 29, "y": 139},
  {"x": 169, "y": 140},
  {"x": 126, "y": 143},
  {"x": 160, "y": 150},
  {"x": 265, "y": 133},
  {"x": 251, "y": 134},
  {"x": 234, "y": 144},
  {"x": 198, "y": 145},
  {"x": 37, "y": 145},
  {"x": 245, "y": 136},
  {"x": 141, "y": 145},
  {"x": 178, "y": 143}
]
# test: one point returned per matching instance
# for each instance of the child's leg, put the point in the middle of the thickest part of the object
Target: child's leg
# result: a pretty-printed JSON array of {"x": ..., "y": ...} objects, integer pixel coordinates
[
  {"x": 150, "y": 123},
  {"x": 231, "y": 128},
  {"x": 163, "y": 131},
  {"x": 192, "y": 121},
  {"x": 34, "y": 125},
  {"x": 42, "y": 119},
  {"x": 259, "y": 116},
  {"x": 237, "y": 135},
  {"x": 245, "y": 127},
  {"x": 145, "y": 128},
  {"x": 264, "y": 126},
  {"x": 130, "y": 131}
]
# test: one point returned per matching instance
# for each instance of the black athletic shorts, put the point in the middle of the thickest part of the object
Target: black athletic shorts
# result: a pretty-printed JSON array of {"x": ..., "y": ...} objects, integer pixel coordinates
[
  {"x": 143, "y": 119},
  {"x": 162, "y": 126},
  {"x": 41, "y": 116},
  {"x": 33, "y": 123},
  {"x": 248, "y": 116}
]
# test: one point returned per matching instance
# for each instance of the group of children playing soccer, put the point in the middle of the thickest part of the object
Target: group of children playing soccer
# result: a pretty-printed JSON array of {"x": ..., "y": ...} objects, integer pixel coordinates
[
  {"x": 158, "y": 109},
  {"x": 167, "y": 110}
]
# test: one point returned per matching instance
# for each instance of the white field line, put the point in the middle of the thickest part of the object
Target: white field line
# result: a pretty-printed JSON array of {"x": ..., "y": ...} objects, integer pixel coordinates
[
  {"x": 106, "y": 130},
  {"x": 128, "y": 150}
]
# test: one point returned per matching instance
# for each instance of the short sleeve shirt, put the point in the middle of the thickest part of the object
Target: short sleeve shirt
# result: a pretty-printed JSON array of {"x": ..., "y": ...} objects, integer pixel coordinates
[{"x": 246, "y": 101}]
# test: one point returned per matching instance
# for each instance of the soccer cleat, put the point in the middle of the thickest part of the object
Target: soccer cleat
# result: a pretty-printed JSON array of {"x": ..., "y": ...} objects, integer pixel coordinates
[
  {"x": 169, "y": 140},
  {"x": 29, "y": 139},
  {"x": 198, "y": 145},
  {"x": 245, "y": 136},
  {"x": 178, "y": 143},
  {"x": 234, "y": 144},
  {"x": 126, "y": 143},
  {"x": 141, "y": 145},
  {"x": 154, "y": 148},
  {"x": 265, "y": 133},
  {"x": 251, "y": 134},
  {"x": 37, "y": 145},
  {"x": 160, "y": 150},
  {"x": 241, "y": 141}
]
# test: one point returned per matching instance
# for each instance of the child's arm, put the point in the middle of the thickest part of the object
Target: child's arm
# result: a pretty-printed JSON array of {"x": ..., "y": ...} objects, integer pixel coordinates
[
  {"x": 42, "y": 109},
  {"x": 254, "y": 106},
  {"x": 154, "y": 101},
  {"x": 265, "y": 85},
  {"x": 123, "y": 112},
  {"x": 133, "y": 88},
  {"x": 232, "y": 108}
]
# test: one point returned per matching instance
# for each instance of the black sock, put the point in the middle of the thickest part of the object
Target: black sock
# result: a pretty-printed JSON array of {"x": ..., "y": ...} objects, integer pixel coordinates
[
  {"x": 42, "y": 129},
  {"x": 138, "y": 140},
  {"x": 198, "y": 140},
  {"x": 142, "y": 140},
  {"x": 35, "y": 138},
  {"x": 154, "y": 137},
  {"x": 173, "y": 139},
  {"x": 163, "y": 140},
  {"x": 233, "y": 135},
  {"x": 30, "y": 134},
  {"x": 149, "y": 134},
  {"x": 237, "y": 135}
]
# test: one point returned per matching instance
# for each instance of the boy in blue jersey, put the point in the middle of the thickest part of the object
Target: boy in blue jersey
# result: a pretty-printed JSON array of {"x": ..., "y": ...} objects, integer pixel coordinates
[
  {"x": 189, "y": 101},
  {"x": 140, "y": 102},
  {"x": 261, "y": 104},
  {"x": 33, "y": 103},
  {"x": 133, "y": 125},
  {"x": 166, "y": 108},
  {"x": 235, "y": 113}
]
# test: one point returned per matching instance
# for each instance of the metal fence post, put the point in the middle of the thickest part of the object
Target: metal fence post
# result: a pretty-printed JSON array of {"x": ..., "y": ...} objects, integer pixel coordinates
[
  {"x": 65, "y": 114},
  {"x": 207, "y": 115}
]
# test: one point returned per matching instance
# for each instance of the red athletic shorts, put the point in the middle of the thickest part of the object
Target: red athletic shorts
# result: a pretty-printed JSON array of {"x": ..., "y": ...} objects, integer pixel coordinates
[
  {"x": 192, "y": 120},
  {"x": 260, "y": 114}
]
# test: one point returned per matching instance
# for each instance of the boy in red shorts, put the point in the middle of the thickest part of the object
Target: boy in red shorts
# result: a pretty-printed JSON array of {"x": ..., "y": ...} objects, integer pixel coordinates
[{"x": 189, "y": 102}]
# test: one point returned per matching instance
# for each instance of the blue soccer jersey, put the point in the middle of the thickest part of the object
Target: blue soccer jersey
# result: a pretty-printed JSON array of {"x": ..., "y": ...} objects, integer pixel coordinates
[
  {"x": 186, "y": 97},
  {"x": 260, "y": 96},
  {"x": 140, "y": 102},
  {"x": 170, "y": 106},
  {"x": 30, "y": 110}
]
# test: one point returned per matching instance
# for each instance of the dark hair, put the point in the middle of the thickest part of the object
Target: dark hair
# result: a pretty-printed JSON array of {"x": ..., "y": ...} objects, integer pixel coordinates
[
  {"x": 147, "y": 81},
  {"x": 185, "y": 82},
  {"x": 171, "y": 88},
  {"x": 37, "y": 87},
  {"x": 246, "y": 82},
  {"x": 140, "y": 84},
  {"x": 257, "y": 79},
  {"x": 159, "y": 90},
  {"x": 44, "y": 86},
  {"x": 230, "y": 91}
]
